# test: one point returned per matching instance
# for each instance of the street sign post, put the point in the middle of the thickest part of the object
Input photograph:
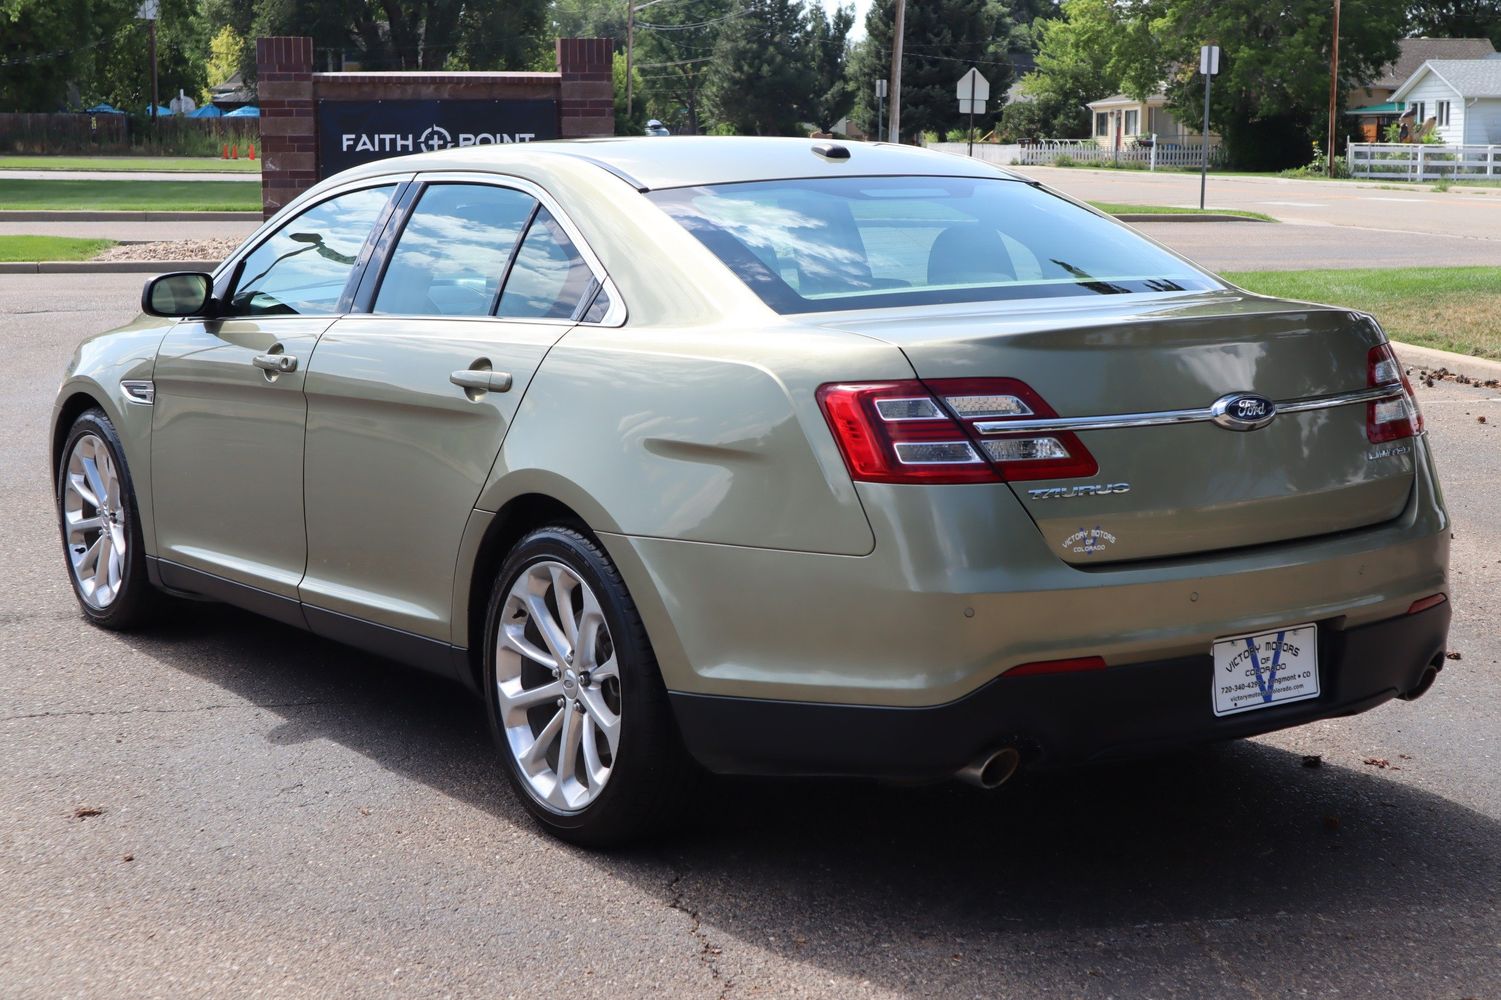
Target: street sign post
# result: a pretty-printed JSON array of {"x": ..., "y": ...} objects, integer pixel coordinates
[
  {"x": 973, "y": 91},
  {"x": 1209, "y": 66},
  {"x": 880, "y": 108}
]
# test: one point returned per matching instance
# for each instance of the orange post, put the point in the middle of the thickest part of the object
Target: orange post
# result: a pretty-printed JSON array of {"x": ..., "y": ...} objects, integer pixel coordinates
[
  {"x": 224, "y": 152},
  {"x": 252, "y": 150},
  {"x": 234, "y": 152}
]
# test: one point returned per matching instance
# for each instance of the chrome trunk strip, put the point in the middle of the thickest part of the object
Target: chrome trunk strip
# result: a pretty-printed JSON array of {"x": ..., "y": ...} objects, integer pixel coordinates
[{"x": 1168, "y": 417}]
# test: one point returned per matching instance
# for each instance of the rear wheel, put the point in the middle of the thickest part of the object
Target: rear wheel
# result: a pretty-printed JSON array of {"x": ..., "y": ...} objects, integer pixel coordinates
[
  {"x": 575, "y": 700},
  {"x": 101, "y": 527}
]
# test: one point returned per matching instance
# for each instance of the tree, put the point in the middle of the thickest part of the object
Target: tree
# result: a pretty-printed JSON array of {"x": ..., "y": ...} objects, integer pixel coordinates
[
  {"x": 828, "y": 52},
  {"x": 674, "y": 49},
  {"x": 631, "y": 122},
  {"x": 48, "y": 45},
  {"x": 762, "y": 82},
  {"x": 1456, "y": 19},
  {"x": 1270, "y": 101},
  {"x": 943, "y": 39},
  {"x": 227, "y": 53}
]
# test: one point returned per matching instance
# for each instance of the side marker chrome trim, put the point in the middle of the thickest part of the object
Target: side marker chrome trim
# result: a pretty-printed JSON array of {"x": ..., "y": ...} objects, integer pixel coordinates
[
  {"x": 1168, "y": 417},
  {"x": 141, "y": 391}
]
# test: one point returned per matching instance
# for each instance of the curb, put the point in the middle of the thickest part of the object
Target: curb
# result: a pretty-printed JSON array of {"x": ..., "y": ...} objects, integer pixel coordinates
[
  {"x": 1432, "y": 359},
  {"x": 1186, "y": 217},
  {"x": 9, "y": 215},
  {"x": 105, "y": 266}
]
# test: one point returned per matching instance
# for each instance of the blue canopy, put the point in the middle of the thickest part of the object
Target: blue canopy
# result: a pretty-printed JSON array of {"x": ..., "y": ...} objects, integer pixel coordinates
[
  {"x": 248, "y": 111},
  {"x": 161, "y": 111},
  {"x": 104, "y": 109},
  {"x": 207, "y": 111}
]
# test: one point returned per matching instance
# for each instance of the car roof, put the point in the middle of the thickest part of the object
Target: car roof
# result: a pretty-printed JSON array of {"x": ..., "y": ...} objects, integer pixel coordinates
[{"x": 648, "y": 163}]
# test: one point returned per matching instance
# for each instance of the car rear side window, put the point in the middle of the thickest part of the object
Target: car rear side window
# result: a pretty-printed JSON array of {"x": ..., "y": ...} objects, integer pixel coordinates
[
  {"x": 452, "y": 254},
  {"x": 549, "y": 278},
  {"x": 301, "y": 270},
  {"x": 809, "y": 245}
]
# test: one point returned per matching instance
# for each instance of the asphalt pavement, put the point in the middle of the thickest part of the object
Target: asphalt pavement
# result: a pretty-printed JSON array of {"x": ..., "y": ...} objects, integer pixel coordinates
[{"x": 227, "y": 807}]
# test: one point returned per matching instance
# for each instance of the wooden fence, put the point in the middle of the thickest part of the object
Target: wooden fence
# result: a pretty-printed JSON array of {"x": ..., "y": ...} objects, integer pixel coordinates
[{"x": 1406, "y": 161}]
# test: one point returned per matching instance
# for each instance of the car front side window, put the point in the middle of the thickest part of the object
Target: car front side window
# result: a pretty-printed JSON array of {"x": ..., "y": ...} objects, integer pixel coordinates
[{"x": 301, "y": 270}]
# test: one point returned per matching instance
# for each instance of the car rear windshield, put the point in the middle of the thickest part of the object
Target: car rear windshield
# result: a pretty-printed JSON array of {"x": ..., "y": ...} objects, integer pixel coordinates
[{"x": 815, "y": 245}]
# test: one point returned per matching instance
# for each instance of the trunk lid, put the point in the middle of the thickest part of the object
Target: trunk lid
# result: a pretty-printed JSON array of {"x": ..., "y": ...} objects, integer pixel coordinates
[{"x": 1170, "y": 490}]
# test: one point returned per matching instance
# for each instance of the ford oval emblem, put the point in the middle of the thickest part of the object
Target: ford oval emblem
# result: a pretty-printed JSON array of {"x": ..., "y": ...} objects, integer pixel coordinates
[{"x": 1242, "y": 411}]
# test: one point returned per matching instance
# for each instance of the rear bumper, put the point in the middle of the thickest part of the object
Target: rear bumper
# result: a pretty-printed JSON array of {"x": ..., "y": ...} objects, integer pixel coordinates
[{"x": 1053, "y": 719}]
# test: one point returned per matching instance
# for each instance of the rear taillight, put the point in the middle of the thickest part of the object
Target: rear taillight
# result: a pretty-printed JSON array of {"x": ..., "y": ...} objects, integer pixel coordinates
[
  {"x": 1395, "y": 418},
  {"x": 924, "y": 432}
]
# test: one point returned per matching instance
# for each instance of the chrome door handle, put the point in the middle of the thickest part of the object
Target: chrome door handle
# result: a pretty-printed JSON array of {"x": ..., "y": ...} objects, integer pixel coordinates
[
  {"x": 276, "y": 364},
  {"x": 481, "y": 379}
]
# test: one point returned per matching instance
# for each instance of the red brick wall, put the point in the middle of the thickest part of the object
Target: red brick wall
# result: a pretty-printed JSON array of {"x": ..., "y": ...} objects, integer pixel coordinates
[{"x": 289, "y": 91}]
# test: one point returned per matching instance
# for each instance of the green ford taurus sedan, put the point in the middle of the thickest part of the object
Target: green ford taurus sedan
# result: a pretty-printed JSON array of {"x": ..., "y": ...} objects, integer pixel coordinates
[{"x": 765, "y": 456}]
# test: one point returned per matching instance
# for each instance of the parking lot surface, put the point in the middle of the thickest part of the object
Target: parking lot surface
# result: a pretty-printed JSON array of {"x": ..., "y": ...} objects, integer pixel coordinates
[{"x": 228, "y": 807}]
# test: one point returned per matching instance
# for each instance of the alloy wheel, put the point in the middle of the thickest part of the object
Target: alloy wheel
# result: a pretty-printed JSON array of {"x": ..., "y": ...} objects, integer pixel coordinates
[
  {"x": 94, "y": 521},
  {"x": 557, "y": 683}
]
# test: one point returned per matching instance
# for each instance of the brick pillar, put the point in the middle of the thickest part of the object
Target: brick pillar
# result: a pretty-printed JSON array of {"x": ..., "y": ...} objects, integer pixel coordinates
[
  {"x": 289, "y": 140},
  {"x": 586, "y": 98}
]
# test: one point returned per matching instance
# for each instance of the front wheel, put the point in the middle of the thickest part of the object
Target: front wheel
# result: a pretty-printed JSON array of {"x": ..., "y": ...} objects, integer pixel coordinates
[
  {"x": 575, "y": 700},
  {"x": 101, "y": 527}
]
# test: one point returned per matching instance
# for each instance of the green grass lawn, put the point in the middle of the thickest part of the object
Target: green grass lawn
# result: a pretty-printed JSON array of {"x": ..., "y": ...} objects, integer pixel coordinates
[
  {"x": 1451, "y": 308},
  {"x": 1115, "y": 208},
  {"x": 199, "y": 164},
  {"x": 29, "y": 248},
  {"x": 138, "y": 196}
]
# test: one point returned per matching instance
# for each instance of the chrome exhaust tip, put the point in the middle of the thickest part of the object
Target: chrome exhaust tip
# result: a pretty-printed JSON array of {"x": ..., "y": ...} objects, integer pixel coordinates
[{"x": 992, "y": 769}]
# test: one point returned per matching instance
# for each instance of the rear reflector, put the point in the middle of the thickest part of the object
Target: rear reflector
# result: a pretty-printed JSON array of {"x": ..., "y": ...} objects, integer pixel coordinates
[
  {"x": 1057, "y": 666},
  {"x": 1390, "y": 419},
  {"x": 916, "y": 432},
  {"x": 1431, "y": 601}
]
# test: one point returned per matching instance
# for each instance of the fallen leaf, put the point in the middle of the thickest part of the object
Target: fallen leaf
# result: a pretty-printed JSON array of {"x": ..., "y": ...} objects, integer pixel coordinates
[
  {"x": 1380, "y": 762},
  {"x": 1453, "y": 656},
  {"x": 1312, "y": 760},
  {"x": 128, "y": 857},
  {"x": 84, "y": 812}
]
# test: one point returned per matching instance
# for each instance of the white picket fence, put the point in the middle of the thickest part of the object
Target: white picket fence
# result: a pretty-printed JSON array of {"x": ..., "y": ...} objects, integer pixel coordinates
[
  {"x": 1406, "y": 161},
  {"x": 1159, "y": 154}
]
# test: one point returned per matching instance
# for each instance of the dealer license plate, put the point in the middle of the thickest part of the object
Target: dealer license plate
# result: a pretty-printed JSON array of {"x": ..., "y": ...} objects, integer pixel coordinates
[{"x": 1265, "y": 669}]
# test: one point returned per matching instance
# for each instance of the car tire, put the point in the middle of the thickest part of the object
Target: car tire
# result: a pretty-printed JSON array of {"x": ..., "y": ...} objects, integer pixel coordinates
[
  {"x": 575, "y": 679},
  {"x": 111, "y": 585}
]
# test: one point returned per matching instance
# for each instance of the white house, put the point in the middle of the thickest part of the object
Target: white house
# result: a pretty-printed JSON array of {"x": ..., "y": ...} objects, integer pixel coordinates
[
  {"x": 1120, "y": 118},
  {"x": 1461, "y": 97}
]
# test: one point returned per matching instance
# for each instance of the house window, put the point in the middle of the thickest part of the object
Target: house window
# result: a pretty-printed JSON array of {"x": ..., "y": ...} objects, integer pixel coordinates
[
  {"x": 1441, "y": 112},
  {"x": 1101, "y": 123},
  {"x": 1418, "y": 116},
  {"x": 1133, "y": 120}
]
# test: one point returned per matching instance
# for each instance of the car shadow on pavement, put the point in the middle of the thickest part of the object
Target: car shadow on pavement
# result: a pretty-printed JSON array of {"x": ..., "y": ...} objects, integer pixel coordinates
[{"x": 839, "y": 873}]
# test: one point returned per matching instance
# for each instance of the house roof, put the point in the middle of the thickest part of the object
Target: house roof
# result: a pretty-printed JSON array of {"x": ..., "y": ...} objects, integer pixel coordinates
[
  {"x": 1416, "y": 51},
  {"x": 1126, "y": 100},
  {"x": 1468, "y": 77}
]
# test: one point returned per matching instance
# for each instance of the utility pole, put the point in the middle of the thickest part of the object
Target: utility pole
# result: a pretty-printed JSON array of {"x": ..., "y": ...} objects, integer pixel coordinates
[
  {"x": 151, "y": 30},
  {"x": 1333, "y": 92},
  {"x": 894, "y": 122},
  {"x": 630, "y": 45}
]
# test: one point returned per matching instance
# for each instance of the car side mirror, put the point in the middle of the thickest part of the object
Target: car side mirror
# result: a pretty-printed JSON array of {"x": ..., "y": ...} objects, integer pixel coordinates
[{"x": 181, "y": 293}]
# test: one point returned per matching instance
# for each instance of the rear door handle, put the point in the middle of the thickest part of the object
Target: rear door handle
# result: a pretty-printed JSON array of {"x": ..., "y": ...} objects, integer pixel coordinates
[
  {"x": 481, "y": 379},
  {"x": 276, "y": 364}
]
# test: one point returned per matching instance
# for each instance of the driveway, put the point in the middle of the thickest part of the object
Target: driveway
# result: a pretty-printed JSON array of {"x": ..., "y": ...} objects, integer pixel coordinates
[{"x": 226, "y": 807}]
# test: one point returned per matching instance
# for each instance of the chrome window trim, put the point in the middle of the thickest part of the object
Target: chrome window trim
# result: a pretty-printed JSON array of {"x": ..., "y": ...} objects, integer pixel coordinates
[
  {"x": 617, "y": 313},
  {"x": 1169, "y": 417}
]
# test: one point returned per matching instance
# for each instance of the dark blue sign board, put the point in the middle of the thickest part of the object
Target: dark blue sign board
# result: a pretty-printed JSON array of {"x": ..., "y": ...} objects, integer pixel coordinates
[{"x": 355, "y": 132}]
